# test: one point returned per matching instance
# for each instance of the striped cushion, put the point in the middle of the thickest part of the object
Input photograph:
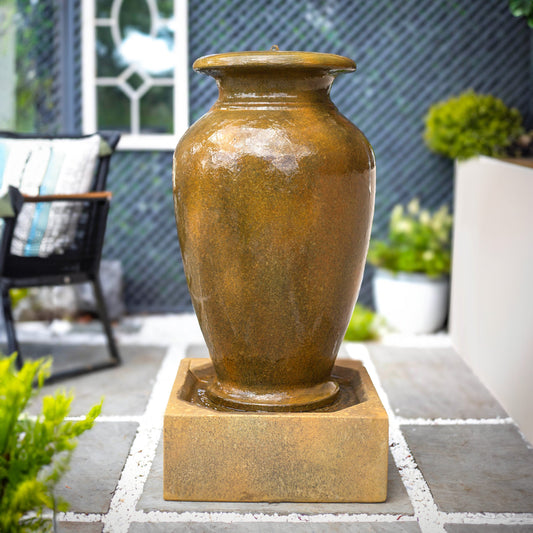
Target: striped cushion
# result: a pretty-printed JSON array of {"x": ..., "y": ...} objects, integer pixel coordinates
[{"x": 43, "y": 166}]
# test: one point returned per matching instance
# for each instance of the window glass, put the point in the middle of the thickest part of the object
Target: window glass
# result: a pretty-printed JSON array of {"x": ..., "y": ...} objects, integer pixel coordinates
[
  {"x": 156, "y": 110},
  {"x": 106, "y": 64},
  {"x": 103, "y": 8},
  {"x": 113, "y": 109}
]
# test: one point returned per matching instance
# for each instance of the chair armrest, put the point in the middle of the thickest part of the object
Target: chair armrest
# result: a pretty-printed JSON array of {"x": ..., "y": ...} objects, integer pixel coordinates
[{"x": 84, "y": 197}]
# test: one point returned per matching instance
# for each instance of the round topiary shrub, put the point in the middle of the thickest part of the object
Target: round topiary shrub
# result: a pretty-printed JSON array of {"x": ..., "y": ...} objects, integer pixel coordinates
[{"x": 471, "y": 124}]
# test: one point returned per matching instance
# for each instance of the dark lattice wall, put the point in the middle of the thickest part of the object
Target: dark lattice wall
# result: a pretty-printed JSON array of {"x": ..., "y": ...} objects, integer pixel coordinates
[
  {"x": 142, "y": 232},
  {"x": 409, "y": 55}
]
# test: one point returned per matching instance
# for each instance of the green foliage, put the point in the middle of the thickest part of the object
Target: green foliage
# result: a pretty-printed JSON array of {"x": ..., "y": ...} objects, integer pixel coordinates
[
  {"x": 17, "y": 295},
  {"x": 34, "y": 451},
  {"x": 522, "y": 8},
  {"x": 364, "y": 325},
  {"x": 419, "y": 241},
  {"x": 471, "y": 124},
  {"x": 34, "y": 88}
]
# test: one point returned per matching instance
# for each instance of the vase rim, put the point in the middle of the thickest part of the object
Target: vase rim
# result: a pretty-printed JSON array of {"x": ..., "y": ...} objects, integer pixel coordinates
[{"x": 275, "y": 59}]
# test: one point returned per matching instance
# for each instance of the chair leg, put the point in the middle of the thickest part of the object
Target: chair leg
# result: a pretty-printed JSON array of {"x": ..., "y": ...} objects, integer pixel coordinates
[
  {"x": 104, "y": 317},
  {"x": 12, "y": 342}
]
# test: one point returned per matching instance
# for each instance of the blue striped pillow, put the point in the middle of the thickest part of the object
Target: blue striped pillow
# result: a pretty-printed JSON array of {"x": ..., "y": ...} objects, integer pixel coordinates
[{"x": 43, "y": 166}]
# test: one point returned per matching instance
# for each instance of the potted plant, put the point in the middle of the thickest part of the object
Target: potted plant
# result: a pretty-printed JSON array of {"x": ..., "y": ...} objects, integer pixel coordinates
[
  {"x": 411, "y": 281},
  {"x": 472, "y": 124}
]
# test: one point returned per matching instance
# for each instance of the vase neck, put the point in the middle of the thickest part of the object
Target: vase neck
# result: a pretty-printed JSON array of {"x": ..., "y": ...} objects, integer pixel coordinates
[
  {"x": 275, "y": 77},
  {"x": 273, "y": 88}
]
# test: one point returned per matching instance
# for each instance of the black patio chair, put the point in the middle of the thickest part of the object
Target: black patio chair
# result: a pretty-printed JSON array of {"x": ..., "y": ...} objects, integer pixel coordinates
[{"x": 78, "y": 262}]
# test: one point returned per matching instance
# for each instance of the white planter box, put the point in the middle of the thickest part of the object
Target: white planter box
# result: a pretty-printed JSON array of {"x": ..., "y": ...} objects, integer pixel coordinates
[
  {"x": 411, "y": 303},
  {"x": 491, "y": 314}
]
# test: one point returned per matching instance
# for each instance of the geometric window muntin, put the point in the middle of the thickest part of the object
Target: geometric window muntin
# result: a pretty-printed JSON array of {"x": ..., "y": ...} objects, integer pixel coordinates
[{"x": 134, "y": 63}]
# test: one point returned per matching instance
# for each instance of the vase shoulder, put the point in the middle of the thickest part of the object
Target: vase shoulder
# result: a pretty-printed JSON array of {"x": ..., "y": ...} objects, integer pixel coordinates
[{"x": 283, "y": 137}]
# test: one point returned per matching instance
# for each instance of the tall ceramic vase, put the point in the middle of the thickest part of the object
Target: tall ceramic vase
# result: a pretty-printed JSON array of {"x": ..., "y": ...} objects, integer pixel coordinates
[{"x": 274, "y": 197}]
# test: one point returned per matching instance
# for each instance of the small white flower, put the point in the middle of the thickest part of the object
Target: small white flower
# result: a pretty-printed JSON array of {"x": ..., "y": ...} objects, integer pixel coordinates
[
  {"x": 397, "y": 212},
  {"x": 403, "y": 226},
  {"x": 413, "y": 207},
  {"x": 425, "y": 217}
]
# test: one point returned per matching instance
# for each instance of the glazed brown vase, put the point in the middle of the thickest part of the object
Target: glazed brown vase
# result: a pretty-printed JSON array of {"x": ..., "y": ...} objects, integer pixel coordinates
[{"x": 274, "y": 197}]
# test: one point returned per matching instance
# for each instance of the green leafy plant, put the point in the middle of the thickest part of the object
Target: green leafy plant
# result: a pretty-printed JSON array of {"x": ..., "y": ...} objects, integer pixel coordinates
[
  {"x": 419, "y": 241},
  {"x": 17, "y": 295},
  {"x": 34, "y": 451},
  {"x": 471, "y": 124},
  {"x": 522, "y": 8},
  {"x": 365, "y": 325}
]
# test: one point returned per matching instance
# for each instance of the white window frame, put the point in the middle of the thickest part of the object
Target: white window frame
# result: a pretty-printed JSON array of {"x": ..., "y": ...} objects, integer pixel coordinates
[{"x": 90, "y": 82}]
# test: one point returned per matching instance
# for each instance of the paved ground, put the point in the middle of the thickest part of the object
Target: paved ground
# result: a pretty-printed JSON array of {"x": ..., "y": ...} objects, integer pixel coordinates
[{"x": 458, "y": 464}]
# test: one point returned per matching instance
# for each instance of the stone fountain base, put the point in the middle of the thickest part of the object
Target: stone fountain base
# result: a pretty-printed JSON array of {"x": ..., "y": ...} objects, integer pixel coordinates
[{"x": 337, "y": 453}]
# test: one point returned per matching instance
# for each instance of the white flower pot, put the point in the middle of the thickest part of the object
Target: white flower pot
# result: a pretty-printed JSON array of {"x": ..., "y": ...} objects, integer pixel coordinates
[{"x": 409, "y": 302}]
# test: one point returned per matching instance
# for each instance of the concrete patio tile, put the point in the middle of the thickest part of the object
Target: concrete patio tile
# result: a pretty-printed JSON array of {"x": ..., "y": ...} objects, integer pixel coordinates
[
  {"x": 152, "y": 499},
  {"x": 474, "y": 468},
  {"x": 66, "y": 356},
  {"x": 79, "y": 527},
  {"x": 431, "y": 383},
  {"x": 96, "y": 466},
  {"x": 258, "y": 527},
  {"x": 486, "y": 528},
  {"x": 126, "y": 389}
]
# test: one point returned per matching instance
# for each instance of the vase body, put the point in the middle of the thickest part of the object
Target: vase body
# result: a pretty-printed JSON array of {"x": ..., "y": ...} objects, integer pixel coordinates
[{"x": 274, "y": 196}]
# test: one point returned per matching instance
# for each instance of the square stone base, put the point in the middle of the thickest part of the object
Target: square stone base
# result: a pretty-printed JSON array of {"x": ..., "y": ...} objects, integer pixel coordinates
[{"x": 335, "y": 455}]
